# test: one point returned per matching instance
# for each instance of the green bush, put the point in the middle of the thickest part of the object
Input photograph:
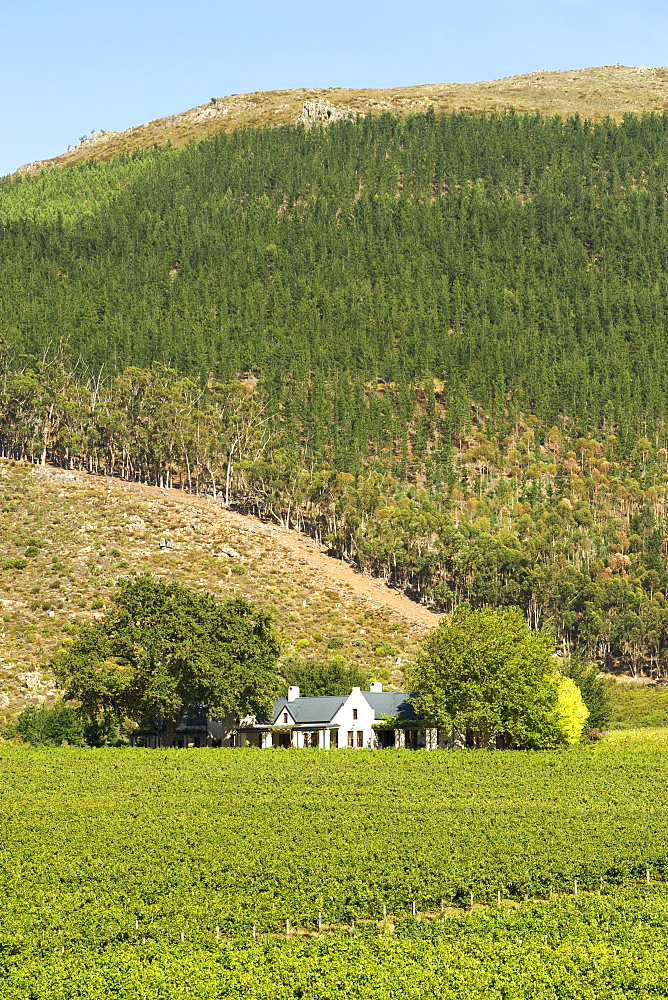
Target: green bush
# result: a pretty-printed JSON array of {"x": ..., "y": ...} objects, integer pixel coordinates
[
  {"x": 17, "y": 562},
  {"x": 50, "y": 725},
  {"x": 595, "y": 691},
  {"x": 383, "y": 649}
]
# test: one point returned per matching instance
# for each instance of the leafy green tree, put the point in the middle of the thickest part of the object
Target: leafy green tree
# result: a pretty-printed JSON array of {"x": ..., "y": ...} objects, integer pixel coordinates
[
  {"x": 323, "y": 677},
  {"x": 50, "y": 725},
  {"x": 484, "y": 670},
  {"x": 163, "y": 648}
]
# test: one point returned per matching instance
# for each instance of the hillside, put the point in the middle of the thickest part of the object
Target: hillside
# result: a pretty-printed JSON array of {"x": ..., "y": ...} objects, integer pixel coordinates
[
  {"x": 436, "y": 344},
  {"x": 65, "y": 539},
  {"x": 596, "y": 93}
]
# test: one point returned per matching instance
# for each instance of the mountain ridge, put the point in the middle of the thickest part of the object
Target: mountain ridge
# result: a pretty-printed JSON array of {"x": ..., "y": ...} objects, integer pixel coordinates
[{"x": 594, "y": 93}]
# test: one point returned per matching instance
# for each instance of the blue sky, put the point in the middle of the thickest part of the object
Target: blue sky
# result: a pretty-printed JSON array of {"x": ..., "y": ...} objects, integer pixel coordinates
[{"x": 70, "y": 67}]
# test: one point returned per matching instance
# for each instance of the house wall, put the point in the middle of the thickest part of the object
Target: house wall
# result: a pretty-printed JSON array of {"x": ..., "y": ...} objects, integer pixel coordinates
[{"x": 362, "y": 724}]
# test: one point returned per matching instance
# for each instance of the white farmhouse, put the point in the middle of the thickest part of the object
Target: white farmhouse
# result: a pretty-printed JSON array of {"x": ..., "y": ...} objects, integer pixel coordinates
[{"x": 373, "y": 718}]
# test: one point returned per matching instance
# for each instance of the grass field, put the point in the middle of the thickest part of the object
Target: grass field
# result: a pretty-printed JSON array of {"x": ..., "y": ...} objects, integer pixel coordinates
[
  {"x": 119, "y": 865},
  {"x": 638, "y": 706}
]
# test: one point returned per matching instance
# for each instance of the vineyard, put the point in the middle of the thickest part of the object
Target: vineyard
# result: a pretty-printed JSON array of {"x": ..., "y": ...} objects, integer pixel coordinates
[{"x": 172, "y": 874}]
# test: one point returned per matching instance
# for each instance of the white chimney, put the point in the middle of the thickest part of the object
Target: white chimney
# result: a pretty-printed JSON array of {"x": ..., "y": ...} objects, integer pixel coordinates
[
  {"x": 293, "y": 692},
  {"x": 355, "y": 690},
  {"x": 375, "y": 687}
]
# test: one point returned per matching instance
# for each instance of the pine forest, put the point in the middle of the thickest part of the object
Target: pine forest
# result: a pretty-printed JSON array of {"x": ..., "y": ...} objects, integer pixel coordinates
[{"x": 437, "y": 344}]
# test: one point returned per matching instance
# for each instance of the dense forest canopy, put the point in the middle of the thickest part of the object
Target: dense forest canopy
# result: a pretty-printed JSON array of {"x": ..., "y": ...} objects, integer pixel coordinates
[
  {"x": 438, "y": 342},
  {"x": 504, "y": 255}
]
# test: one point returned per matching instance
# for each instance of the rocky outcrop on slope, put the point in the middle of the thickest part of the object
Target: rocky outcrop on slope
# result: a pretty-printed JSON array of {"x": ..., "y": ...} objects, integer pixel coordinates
[{"x": 314, "y": 112}]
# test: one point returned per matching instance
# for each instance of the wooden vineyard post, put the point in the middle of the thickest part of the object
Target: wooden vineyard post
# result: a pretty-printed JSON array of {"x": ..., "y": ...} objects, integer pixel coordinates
[
  {"x": 471, "y": 899},
  {"x": 575, "y": 887},
  {"x": 647, "y": 877},
  {"x": 287, "y": 928},
  {"x": 384, "y": 911},
  {"x": 442, "y": 905},
  {"x": 600, "y": 889},
  {"x": 498, "y": 897},
  {"x": 413, "y": 907},
  {"x": 319, "y": 922},
  {"x": 254, "y": 932},
  {"x": 217, "y": 933},
  {"x": 183, "y": 937}
]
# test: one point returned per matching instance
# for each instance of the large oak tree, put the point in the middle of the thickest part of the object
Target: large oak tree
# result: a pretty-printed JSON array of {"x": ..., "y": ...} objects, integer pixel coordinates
[{"x": 164, "y": 647}]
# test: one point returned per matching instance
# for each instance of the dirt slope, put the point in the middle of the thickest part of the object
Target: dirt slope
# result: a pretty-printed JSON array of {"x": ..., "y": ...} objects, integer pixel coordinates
[
  {"x": 592, "y": 93},
  {"x": 323, "y": 570}
]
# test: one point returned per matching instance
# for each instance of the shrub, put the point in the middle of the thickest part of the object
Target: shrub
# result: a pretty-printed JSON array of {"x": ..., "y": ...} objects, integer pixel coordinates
[
  {"x": 382, "y": 649},
  {"x": 50, "y": 725},
  {"x": 594, "y": 688},
  {"x": 17, "y": 562}
]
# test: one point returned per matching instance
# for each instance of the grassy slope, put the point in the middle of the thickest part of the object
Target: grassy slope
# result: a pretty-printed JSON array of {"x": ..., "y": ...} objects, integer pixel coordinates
[
  {"x": 592, "y": 93},
  {"x": 638, "y": 706},
  {"x": 95, "y": 531},
  {"x": 84, "y": 522}
]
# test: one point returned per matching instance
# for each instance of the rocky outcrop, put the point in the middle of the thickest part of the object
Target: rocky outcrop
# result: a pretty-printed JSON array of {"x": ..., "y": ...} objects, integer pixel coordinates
[{"x": 321, "y": 111}]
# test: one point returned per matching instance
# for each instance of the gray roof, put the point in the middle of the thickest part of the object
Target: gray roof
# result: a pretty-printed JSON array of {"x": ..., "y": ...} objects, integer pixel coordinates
[
  {"x": 390, "y": 703},
  {"x": 321, "y": 711},
  {"x": 307, "y": 711}
]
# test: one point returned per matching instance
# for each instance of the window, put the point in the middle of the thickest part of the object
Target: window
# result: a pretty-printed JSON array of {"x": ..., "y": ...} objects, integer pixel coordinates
[
  {"x": 355, "y": 715},
  {"x": 334, "y": 739},
  {"x": 285, "y": 716},
  {"x": 350, "y": 739},
  {"x": 360, "y": 738}
]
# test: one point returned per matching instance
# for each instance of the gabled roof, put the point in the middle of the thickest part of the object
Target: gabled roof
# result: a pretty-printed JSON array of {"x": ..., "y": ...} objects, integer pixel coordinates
[
  {"x": 390, "y": 703},
  {"x": 309, "y": 711},
  {"x": 321, "y": 711}
]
